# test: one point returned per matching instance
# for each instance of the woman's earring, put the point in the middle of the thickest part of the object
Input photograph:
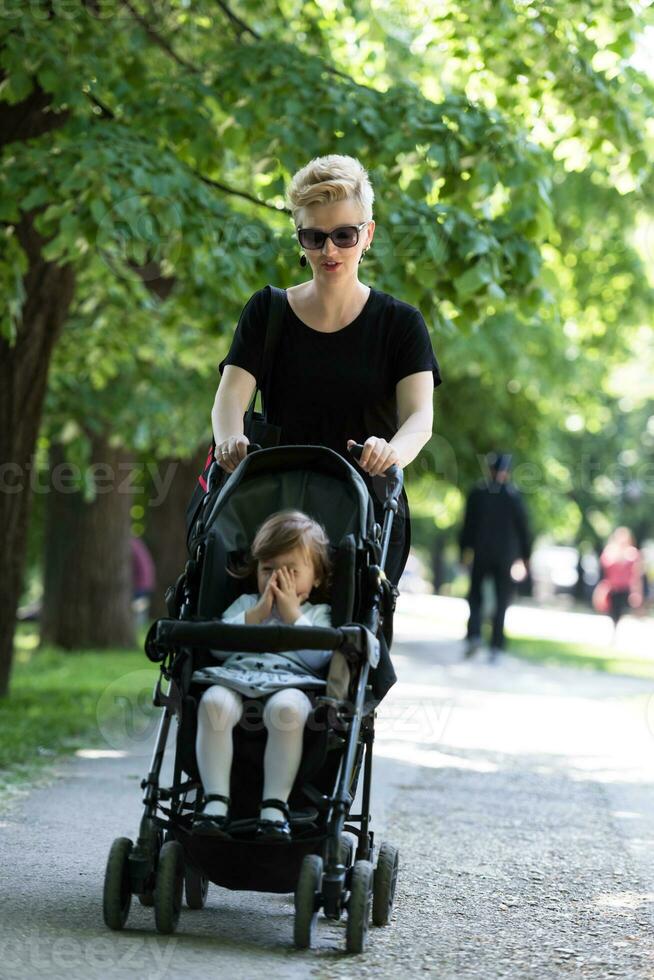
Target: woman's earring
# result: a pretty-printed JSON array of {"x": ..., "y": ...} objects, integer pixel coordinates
[
  {"x": 361, "y": 256},
  {"x": 303, "y": 260}
]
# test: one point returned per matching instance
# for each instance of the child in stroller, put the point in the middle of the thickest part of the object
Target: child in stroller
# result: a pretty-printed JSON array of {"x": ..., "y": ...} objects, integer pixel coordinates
[
  {"x": 319, "y": 862},
  {"x": 290, "y": 557}
]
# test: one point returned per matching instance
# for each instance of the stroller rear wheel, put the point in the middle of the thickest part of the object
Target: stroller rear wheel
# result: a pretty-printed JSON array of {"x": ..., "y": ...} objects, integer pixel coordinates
[
  {"x": 169, "y": 887},
  {"x": 347, "y": 850},
  {"x": 196, "y": 887},
  {"x": 385, "y": 880},
  {"x": 307, "y": 900},
  {"x": 358, "y": 909},
  {"x": 117, "y": 895}
]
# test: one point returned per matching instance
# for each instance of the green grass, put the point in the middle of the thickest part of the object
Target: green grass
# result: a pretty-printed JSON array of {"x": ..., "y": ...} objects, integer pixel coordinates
[
  {"x": 580, "y": 655},
  {"x": 60, "y": 702}
]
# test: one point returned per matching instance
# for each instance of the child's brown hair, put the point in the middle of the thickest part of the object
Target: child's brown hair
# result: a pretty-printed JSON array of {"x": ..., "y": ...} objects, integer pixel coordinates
[{"x": 283, "y": 531}]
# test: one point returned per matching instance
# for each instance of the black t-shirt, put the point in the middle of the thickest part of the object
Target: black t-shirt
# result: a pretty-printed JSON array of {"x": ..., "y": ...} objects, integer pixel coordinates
[{"x": 326, "y": 388}]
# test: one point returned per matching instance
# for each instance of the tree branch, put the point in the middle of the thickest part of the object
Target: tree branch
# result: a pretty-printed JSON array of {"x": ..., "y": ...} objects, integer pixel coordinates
[
  {"x": 243, "y": 28},
  {"x": 105, "y": 112},
  {"x": 154, "y": 36},
  {"x": 231, "y": 190},
  {"x": 108, "y": 113}
]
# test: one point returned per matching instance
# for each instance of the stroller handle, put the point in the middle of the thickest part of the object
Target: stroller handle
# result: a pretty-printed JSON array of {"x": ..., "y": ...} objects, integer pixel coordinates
[
  {"x": 214, "y": 468},
  {"x": 393, "y": 475},
  {"x": 389, "y": 474}
]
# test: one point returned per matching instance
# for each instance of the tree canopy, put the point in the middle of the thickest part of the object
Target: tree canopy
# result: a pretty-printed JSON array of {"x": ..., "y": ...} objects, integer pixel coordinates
[{"x": 509, "y": 144}]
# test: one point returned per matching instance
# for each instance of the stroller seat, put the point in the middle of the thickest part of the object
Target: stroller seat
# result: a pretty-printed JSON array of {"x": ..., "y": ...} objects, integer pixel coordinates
[{"x": 217, "y": 590}]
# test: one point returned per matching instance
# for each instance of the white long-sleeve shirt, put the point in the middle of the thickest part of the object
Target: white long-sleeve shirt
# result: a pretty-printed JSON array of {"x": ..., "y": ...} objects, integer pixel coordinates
[{"x": 310, "y": 615}]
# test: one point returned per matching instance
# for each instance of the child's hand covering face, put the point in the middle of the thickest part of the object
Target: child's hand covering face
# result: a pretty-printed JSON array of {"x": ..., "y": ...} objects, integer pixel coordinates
[
  {"x": 287, "y": 599},
  {"x": 291, "y": 577}
]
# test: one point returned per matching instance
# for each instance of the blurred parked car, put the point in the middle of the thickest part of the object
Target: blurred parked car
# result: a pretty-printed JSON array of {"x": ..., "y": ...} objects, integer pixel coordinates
[
  {"x": 561, "y": 570},
  {"x": 554, "y": 570}
]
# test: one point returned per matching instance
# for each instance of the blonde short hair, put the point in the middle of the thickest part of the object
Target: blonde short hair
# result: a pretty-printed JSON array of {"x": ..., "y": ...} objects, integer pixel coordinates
[{"x": 327, "y": 179}]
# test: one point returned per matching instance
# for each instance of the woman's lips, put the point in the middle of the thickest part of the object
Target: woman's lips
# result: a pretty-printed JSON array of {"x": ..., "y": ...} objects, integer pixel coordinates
[{"x": 331, "y": 265}]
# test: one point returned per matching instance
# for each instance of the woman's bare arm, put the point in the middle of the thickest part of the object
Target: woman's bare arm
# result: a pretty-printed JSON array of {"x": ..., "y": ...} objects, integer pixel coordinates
[
  {"x": 415, "y": 409},
  {"x": 416, "y": 416},
  {"x": 232, "y": 399}
]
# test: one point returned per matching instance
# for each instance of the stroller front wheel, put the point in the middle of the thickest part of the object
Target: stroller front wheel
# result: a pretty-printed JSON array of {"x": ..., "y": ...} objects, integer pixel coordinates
[
  {"x": 196, "y": 887},
  {"x": 385, "y": 880},
  {"x": 169, "y": 887},
  {"x": 117, "y": 895},
  {"x": 358, "y": 909},
  {"x": 307, "y": 900}
]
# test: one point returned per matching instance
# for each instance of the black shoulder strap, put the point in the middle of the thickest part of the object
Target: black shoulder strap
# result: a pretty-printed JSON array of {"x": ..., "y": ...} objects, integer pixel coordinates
[
  {"x": 276, "y": 311},
  {"x": 273, "y": 329}
]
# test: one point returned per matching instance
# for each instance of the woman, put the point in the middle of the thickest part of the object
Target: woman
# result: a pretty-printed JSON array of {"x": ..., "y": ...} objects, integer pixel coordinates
[
  {"x": 353, "y": 364},
  {"x": 622, "y": 571}
]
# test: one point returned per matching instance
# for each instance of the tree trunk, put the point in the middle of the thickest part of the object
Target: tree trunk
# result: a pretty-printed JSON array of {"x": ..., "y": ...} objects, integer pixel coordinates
[
  {"x": 166, "y": 528},
  {"x": 88, "y": 570},
  {"x": 23, "y": 377}
]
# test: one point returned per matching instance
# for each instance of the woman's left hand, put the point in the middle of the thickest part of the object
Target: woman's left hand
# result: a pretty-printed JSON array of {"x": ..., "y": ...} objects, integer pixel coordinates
[
  {"x": 377, "y": 455},
  {"x": 286, "y": 598}
]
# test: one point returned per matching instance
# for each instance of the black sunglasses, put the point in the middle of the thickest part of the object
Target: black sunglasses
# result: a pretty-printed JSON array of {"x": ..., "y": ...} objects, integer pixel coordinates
[{"x": 347, "y": 236}]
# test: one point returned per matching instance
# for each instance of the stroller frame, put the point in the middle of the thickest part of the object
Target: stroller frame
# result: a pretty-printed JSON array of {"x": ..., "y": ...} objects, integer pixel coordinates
[{"x": 155, "y": 867}]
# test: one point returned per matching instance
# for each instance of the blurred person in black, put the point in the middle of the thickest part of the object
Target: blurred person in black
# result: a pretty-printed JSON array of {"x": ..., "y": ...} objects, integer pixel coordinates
[{"x": 496, "y": 533}]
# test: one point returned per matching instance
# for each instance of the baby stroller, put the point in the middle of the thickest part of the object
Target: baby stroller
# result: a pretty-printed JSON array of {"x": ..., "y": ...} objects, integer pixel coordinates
[{"x": 320, "y": 863}]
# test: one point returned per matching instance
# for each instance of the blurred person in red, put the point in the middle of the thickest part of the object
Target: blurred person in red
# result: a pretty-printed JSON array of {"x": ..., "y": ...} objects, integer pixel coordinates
[
  {"x": 143, "y": 576},
  {"x": 622, "y": 573}
]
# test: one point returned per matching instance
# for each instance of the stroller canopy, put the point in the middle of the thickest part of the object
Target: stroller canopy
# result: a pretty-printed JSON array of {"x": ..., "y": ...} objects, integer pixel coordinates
[{"x": 312, "y": 479}]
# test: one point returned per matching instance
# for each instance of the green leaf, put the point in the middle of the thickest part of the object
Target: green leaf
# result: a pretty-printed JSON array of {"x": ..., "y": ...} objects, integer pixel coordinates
[
  {"x": 472, "y": 280},
  {"x": 37, "y": 196},
  {"x": 16, "y": 88}
]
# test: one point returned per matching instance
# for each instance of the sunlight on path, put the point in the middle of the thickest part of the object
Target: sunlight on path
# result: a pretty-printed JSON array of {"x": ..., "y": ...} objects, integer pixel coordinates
[
  {"x": 445, "y": 711},
  {"x": 423, "y": 616}
]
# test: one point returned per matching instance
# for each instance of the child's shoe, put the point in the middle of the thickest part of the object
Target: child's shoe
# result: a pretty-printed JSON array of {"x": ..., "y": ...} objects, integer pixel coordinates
[
  {"x": 212, "y": 824},
  {"x": 274, "y": 830}
]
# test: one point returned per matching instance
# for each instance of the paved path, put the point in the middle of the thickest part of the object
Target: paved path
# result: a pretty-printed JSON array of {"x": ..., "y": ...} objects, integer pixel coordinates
[{"x": 522, "y": 799}]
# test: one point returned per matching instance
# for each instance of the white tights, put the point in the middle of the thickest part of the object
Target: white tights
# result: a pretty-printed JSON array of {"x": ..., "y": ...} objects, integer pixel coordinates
[{"x": 284, "y": 714}]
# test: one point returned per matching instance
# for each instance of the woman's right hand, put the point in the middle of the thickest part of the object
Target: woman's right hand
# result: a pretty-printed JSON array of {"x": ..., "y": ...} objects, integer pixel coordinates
[{"x": 229, "y": 453}]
